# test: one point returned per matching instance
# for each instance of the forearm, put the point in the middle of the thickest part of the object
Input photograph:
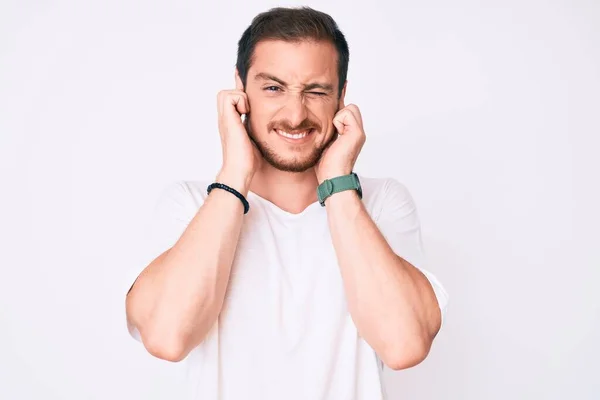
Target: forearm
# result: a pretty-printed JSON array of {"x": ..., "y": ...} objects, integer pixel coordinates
[
  {"x": 391, "y": 302},
  {"x": 178, "y": 297}
]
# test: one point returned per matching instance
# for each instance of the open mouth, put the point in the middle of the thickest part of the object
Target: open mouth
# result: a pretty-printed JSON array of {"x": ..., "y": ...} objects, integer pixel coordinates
[{"x": 295, "y": 136}]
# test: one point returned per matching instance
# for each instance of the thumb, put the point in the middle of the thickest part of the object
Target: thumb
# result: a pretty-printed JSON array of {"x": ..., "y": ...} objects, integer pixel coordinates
[{"x": 339, "y": 126}]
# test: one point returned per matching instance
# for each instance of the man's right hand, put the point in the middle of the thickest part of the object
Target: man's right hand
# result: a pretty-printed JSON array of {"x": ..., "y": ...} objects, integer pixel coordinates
[{"x": 241, "y": 157}]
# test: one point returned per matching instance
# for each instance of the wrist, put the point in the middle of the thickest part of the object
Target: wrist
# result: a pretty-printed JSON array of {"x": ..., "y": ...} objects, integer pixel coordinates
[
  {"x": 343, "y": 199},
  {"x": 237, "y": 181},
  {"x": 322, "y": 177},
  {"x": 339, "y": 182}
]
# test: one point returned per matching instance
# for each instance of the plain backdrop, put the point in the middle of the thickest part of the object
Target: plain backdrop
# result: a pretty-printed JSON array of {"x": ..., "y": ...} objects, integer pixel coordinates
[{"x": 489, "y": 112}]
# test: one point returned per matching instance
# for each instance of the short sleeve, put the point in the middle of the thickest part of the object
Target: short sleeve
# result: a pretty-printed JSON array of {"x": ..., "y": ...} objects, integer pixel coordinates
[
  {"x": 398, "y": 221},
  {"x": 173, "y": 210}
]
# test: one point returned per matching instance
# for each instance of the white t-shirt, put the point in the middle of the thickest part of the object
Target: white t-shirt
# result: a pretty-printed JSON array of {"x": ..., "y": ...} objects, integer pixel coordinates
[{"x": 285, "y": 331}]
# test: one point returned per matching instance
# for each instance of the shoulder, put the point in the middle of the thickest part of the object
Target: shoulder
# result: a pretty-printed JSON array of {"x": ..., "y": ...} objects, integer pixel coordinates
[
  {"x": 197, "y": 188},
  {"x": 382, "y": 195},
  {"x": 184, "y": 192},
  {"x": 380, "y": 188}
]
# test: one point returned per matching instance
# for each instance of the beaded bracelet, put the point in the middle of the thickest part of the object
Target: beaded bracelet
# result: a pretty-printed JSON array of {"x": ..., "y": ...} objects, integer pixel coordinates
[{"x": 232, "y": 191}]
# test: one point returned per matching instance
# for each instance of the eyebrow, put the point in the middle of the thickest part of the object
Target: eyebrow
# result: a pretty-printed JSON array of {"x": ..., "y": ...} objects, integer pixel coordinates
[{"x": 315, "y": 85}]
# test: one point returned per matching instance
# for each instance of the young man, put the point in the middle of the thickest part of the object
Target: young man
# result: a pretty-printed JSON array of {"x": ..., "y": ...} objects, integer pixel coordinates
[{"x": 292, "y": 277}]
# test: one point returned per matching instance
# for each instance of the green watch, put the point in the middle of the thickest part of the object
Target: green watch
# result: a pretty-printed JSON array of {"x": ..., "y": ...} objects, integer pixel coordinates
[{"x": 338, "y": 184}]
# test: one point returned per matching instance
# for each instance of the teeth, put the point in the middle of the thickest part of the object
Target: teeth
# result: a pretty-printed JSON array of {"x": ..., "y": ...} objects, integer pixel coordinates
[{"x": 293, "y": 136}]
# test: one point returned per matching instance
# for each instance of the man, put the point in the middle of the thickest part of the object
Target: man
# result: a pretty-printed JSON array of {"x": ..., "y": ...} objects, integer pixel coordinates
[{"x": 292, "y": 277}]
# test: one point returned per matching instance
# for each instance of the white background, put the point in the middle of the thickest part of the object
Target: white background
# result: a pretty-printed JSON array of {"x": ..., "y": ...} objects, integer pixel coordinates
[{"x": 489, "y": 112}]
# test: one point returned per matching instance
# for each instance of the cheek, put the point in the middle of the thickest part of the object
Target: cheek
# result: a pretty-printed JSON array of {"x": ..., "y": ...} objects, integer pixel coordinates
[
  {"x": 257, "y": 115},
  {"x": 325, "y": 115},
  {"x": 263, "y": 110}
]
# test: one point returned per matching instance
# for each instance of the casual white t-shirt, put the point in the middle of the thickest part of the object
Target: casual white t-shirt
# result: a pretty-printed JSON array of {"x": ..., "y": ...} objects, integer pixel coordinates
[{"x": 285, "y": 331}]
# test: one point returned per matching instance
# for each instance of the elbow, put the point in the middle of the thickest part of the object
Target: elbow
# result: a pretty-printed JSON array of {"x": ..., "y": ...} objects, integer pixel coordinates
[
  {"x": 173, "y": 350},
  {"x": 407, "y": 354},
  {"x": 414, "y": 348},
  {"x": 167, "y": 344}
]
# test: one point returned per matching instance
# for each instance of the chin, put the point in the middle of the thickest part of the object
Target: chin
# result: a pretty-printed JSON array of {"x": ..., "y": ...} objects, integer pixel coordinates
[
  {"x": 295, "y": 163},
  {"x": 298, "y": 153}
]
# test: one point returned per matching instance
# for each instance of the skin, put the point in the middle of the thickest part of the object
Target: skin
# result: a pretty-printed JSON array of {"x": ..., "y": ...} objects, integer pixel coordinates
[
  {"x": 292, "y": 87},
  {"x": 178, "y": 297}
]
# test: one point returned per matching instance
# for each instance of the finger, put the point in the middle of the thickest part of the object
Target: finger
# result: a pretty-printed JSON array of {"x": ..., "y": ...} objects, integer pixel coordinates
[
  {"x": 339, "y": 126},
  {"x": 355, "y": 112},
  {"x": 343, "y": 120},
  {"x": 241, "y": 103},
  {"x": 234, "y": 103}
]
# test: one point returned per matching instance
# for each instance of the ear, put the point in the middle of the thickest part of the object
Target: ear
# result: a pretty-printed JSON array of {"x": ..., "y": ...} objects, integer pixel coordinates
[
  {"x": 342, "y": 96},
  {"x": 238, "y": 81}
]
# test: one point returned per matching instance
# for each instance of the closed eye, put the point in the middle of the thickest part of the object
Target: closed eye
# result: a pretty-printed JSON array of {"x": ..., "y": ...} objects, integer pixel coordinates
[{"x": 318, "y": 93}]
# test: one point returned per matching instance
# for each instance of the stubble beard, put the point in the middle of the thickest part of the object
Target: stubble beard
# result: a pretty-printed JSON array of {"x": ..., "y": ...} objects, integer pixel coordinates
[{"x": 297, "y": 164}]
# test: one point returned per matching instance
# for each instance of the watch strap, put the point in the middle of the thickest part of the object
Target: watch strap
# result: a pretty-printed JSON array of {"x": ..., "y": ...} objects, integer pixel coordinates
[{"x": 338, "y": 184}]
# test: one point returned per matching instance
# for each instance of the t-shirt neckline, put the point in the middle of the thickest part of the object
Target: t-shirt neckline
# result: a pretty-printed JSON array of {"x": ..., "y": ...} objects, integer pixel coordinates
[{"x": 287, "y": 214}]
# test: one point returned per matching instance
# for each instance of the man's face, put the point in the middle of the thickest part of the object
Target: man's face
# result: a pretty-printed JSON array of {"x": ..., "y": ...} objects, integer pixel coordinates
[{"x": 292, "y": 89}]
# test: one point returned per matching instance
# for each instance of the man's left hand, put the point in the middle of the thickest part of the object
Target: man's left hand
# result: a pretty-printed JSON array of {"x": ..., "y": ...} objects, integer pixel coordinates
[{"x": 341, "y": 155}]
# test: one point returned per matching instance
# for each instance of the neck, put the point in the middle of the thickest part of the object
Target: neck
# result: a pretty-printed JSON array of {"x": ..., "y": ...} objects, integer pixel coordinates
[{"x": 290, "y": 191}]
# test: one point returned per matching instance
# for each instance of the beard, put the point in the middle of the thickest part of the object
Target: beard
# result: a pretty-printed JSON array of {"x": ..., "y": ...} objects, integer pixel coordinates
[{"x": 300, "y": 163}]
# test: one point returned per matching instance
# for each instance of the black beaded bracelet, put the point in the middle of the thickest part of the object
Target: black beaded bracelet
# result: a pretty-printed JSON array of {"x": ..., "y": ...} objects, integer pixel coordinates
[{"x": 232, "y": 191}]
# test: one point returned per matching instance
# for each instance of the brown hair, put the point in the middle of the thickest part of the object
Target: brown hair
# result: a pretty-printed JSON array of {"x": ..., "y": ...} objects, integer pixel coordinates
[{"x": 292, "y": 24}]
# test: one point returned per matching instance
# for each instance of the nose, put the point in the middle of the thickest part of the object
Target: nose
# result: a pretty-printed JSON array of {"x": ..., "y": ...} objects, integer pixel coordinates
[{"x": 295, "y": 109}]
